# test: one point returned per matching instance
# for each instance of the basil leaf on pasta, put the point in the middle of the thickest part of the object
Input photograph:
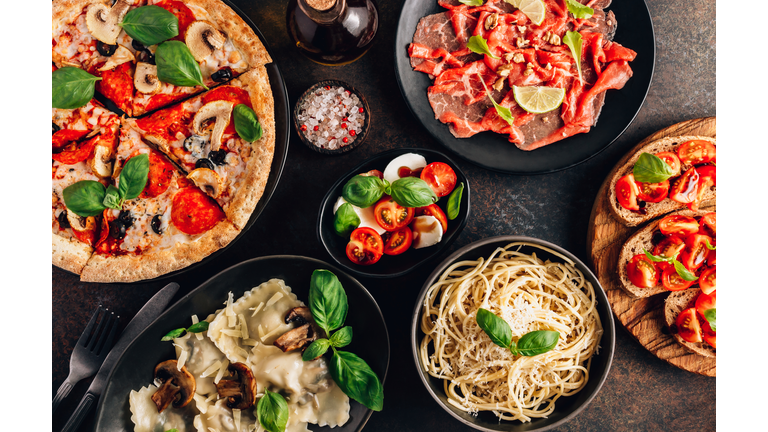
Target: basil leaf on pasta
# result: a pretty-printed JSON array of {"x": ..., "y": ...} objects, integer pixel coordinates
[
  {"x": 342, "y": 337},
  {"x": 356, "y": 379},
  {"x": 496, "y": 328},
  {"x": 199, "y": 327},
  {"x": 272, "y": 411},
  {"x": 327, "y": 300},
  {"x": 537, "y": 342},
  {"x": 316, "y": 349},
  {"x": 173, "y": 334}
]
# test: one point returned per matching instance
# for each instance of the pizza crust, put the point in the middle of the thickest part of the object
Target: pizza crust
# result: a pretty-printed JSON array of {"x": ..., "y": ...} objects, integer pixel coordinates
[
  {"x": 70, "y": 253},
  {"x": 131, "y": 268}
]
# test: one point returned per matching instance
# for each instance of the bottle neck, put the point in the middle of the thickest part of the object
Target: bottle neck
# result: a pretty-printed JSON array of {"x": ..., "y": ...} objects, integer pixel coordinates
[{"x": 323, "y": 11}]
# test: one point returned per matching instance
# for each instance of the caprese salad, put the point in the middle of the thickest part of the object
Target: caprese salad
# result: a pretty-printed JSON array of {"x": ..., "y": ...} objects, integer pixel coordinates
[{"x": 391, "y": 212}]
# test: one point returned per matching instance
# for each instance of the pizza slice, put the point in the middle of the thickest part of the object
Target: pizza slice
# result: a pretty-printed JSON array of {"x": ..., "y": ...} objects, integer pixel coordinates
[
  {"x": 169, "y": 225},
  {"x": 84, "y": 145},
  {"x": 223, "y": 140},
  {"x": 213, "y": 45}
]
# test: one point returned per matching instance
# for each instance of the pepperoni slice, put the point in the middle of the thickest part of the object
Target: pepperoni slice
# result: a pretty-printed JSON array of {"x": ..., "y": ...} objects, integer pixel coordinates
[
  {"x": 232, "y": 94},
  {"x": 194, "y": 212},
  {"x": 77, "y": 153},
  {"x": 65, "y": 136},
  {"x": 116, "y": 84},
  {"x": 160, "y": 174},
  {"x": 160, "y": 121},
  {"x": 182, "y": 12}
]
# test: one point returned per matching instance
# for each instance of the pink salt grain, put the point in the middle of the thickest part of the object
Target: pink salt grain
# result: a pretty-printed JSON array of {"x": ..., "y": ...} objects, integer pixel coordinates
[{"x": 330, "y": 112}]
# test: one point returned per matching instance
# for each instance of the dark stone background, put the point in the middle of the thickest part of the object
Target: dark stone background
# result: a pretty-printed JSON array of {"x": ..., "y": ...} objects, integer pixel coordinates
[{"x": 642, "y": 393}]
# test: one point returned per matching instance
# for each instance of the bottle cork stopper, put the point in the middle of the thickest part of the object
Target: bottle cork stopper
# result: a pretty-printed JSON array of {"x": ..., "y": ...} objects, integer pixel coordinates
[{"x": 321, "y": 5}]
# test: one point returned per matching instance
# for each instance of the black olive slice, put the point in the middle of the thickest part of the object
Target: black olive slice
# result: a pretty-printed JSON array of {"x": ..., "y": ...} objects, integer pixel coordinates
[
  {"x": 105, "y": 49},
  {"x": 117, "y": 229},
  {"x": 56, "y": 128},
  {"x": 138, "y": 46},
  {"x": 205, "y": 163},
  {"x": 145, "y": 56},
  {"x": 126, "y": 218},
  {"x": 222, "y": 75},
  {"x": 63, "y": 221},
  {"x": 156, "y": 224},
  {"x": 217, "y": 156}
]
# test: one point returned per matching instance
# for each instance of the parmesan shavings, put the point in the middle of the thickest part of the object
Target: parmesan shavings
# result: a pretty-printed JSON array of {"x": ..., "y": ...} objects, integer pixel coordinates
[
  {"x": 235, "y": 333},
  {"x": 250, "y": 342},
  {"x": 275, "y": 298},
  {"x": 200, "y": 403},
  {"x": 211, "y": 369},
  {"x": 243, "y": 326},
  {"x": 195, "y": 320},
  {"x": 236, "y": 417},
  {"x": 222, "y": 369},
  {"x": 256, "y": 309}
]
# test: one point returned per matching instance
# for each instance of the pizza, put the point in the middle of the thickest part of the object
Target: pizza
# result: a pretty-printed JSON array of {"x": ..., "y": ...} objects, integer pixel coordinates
[{"x": 136, "y": 198}]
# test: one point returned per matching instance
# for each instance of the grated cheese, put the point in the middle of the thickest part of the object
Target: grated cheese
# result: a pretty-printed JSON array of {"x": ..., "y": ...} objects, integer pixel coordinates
[
  {"x": 200, "y": 403},
  {"x": 195, "y": 320},
  {"x": 222, "y": 369},
  {"x": 250, "y": 342},
  {"x": 243, "y": 326},
  {"x": 182, "y": 359},
  {"x": 270, "y": 334},
  {"x": 275, "y": 298},
  {"x": 232, "y": 332},
  {"x": 256, "y": 309},
  {"x": 236, "y": 417},
  {"x": 212, "y": 396},
  {"x": 211, "y": 369}
]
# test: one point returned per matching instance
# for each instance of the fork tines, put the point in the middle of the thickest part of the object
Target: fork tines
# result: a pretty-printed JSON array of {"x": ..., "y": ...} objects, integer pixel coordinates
[{"x": 95, "y": 340}]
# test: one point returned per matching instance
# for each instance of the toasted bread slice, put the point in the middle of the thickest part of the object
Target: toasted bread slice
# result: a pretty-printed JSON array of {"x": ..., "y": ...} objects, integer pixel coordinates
[
  {"x": 677, "y": 302},
  {"x": 653, "y": 210},
  {"x": 643, "y": 239}
]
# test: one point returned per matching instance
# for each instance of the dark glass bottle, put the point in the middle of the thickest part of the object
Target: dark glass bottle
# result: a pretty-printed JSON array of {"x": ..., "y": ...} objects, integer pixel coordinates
[{"x": 332, "y": 32}]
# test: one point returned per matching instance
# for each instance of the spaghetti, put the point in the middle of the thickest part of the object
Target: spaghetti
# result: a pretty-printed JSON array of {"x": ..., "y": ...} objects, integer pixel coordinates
[{"x": 529, "y": 294}]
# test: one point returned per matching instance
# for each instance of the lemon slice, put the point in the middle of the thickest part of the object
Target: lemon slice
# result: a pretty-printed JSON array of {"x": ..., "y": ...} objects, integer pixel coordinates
[
  {"x": 538, "y": 100},
  {"x": 515, "y": 3},
  {"x": 535, "y": 10}
]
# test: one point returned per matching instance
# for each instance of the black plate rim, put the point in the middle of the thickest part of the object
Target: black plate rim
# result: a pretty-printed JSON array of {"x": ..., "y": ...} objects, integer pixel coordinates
[
  {"x": 170, "y": 309},
  {"x": 277, "y": 166},
  {"x": 399, "y": 50},
  {"x": 329, "y": 195},
  {"x": 609, "y": 327}
]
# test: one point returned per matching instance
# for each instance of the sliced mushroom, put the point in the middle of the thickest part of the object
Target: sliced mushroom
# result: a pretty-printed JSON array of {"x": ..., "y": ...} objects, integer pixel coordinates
[
  {"x": 159, "y": 142},
  {"x": 122, "y": 55},
  {"x": 80, "y": 223},
  {"x": 298, "y": 338},
  {"x": 207, "y": 180},
  {"x": 203, "y": 39},
  {"x": 176, "y": 386},
  {"x": 101, "y": 163},
  {"x": 239, "y": 389},
  {"x": 300, "y": 315},
  {"x": 145, "y": 78},
  {"x": 103, "y": 22},
  {"x": 218, "y": 112}
]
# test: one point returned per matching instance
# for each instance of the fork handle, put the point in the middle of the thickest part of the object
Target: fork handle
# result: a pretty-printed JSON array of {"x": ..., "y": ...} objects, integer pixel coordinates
[
  {"x": 80, "y": 413},
  {"x": 62, "y": 393}
]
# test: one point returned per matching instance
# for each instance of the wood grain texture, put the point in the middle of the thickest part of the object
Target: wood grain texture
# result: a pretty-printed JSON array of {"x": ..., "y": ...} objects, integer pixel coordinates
[{"x": 643, "y": 318}]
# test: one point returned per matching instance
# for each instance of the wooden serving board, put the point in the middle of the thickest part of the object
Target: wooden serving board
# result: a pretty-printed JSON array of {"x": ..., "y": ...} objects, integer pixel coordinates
[{"x": 643, "y": 318}]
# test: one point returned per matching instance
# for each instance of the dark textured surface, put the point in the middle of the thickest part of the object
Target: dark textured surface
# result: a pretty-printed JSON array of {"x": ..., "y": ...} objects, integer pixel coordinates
[{"x": 642, "y": 393}]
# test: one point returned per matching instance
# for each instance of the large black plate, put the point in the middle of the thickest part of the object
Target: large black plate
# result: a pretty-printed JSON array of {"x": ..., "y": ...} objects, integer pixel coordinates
[
  {"x": 282, "y": 133},
  {"x": 493, "y": 151},
  {"x": 135, "y": 367}
]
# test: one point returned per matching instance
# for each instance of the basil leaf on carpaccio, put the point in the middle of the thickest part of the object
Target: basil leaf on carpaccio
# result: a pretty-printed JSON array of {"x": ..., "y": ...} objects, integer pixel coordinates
[
  {"x": 150, "y": 25},
  {"x": 472, "y": 2},
  {"x": 327, "y": 300},
  {"x": 72, "y": 87},
  {"x": 357, "y": 380},
  {"x": 345, "y": 220},
  {"x": 363, "y": 191},
  {"x": 454, "y": 202},
  {"x": 247, "y": 123},
  {"x": 495, "y": 327},
  {"x": 651, "y": 169},
  {"x": 173, "y": 334},
  {"x": 412, "y": 192},
  {"x": 479, "y": 45},
  {"x": 85, "y": 198},
  {"x": 342, "y": 337},
  {"x": 579, "y": 10},
  {"x": 133, "y": 176},
  {"x": 574, "y": 42},
  {"x": 316, "y": 349},
  {"x": 272, "y": 411},
  {"x": 175, "y": 65},
  {"x": 537, "y": 342},
  {"x": 503, "y": 112}
]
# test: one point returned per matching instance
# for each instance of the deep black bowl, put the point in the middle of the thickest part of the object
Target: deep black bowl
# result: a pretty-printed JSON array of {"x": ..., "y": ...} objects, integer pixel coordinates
[
  {"x": 390, "y": 265},
  {"x": 566, "y": 408},
  {"x": 135, "y": 367}
]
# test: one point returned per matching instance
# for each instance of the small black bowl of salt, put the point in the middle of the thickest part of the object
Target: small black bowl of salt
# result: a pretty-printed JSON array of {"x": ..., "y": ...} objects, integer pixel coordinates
[{"x": 332, "y": 117}]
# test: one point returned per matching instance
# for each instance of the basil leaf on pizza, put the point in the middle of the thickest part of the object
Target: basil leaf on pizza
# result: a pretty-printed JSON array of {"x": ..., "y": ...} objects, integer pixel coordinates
[
  {"x": 150, "y": 25},
  {"x": 112, "y": 198},
  {"x": 133, "y": 177},
  {"x": 247, "y": 124},
  {"x": 85, "y": 198},
  {"x": 175, "y": 65},
  {"x": 72, "y": 87}
]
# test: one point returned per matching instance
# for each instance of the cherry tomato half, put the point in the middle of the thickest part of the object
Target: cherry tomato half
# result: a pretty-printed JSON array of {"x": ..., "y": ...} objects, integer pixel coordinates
[
  {"x": 653, "y": 192},
  {"x": 707, "y": 280},
  {"x": 440, "y": 177},
  {"x": 669, "y": 247},
  {"x": 672, "y": 160},
  {"x": 398, "y": 241},
  {"x": 642, "y": 272},
  {"x": 627, "y": 191},
  {"x": 390, "y": 215},
  {"x": 436, "y": 211},
  {"x": 678, "y": 225},
  {"x": 708, "y": 334},
  {"x": 707, "y": 179},
  {"x": 688, "y": 326},
  {"x": 705, "y": 302},
  {"x": 696, "y": 152},
  {"x": 708, "y": 224},
  {"x": 695, "y": 252},
  {"x": 672, "y": 281},
  {"x": 373, "y": 173},
  {"x": 365, "y": 246},
  {"x": 685, "y": 188}
]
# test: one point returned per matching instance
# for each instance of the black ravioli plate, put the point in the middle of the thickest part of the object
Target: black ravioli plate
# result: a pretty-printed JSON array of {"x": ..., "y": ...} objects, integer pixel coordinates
[
  {"x": 492, "y": 151},
  {"x": 390, "y": 265},
  {"x": 135, "y": 367}
]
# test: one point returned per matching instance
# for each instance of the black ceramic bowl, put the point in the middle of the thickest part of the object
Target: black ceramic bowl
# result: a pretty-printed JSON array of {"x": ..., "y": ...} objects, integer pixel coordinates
[
  {"x": 135, "y": 367},
  {"x": 341, "y": 150},
  {"x": 566, "y": 408},
  {"x": 390, "y": 265}
]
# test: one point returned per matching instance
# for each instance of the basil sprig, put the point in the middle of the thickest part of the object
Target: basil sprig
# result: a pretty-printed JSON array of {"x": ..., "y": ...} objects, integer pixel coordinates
[
  {"x": 651, "y": 169},
  {"x": 247, "y": 123},
  {"x": 531, "y": 344},
  {"x": 579, "y": 10},
  {"x": 472, "y": 2},
  {"x": 454, "y": 202},
  {"x": 175, "y": 65},
  {"x": 574, "y": 42},
  {"x": 328, "y": 305},
  {"x": 345, "y": 220},
  {"x": 679, "y": 267},
  {"x": 179, "y": 332},
  {"x": 150, "y": 25},
  {"x": 272, "y": 411},
  {"x": 709, "y": 315},
  {"x": 412, "y": 192},
  {"x": 72, "y": 87},
  {"x": 479, "y": 45},
  {"x": 363, "y": 191},
  {"x": 89, "y": 198},
  {"x": 503, "y": 112}
]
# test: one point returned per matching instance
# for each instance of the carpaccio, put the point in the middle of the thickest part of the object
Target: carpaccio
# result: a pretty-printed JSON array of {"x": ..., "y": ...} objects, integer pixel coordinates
[{"x": 533, "y": 55}]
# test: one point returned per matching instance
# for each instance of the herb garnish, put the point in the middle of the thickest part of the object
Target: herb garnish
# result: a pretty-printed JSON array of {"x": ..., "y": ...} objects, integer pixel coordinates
[
  {"x": 247, "y": 123},
  {"x": 454, "y": 202},
  {"x": 272, "y": 411},
  {"x": 531, "y": 344},
  {"x": 579, "y": 10},
  {"x": 72, "y": 87},
  {"x": 651, "y": 169},
  {"x": 472, "y": 2},
  {"x": 478, "y": 44},
  {"x": 364, "y": 191},
  {"x": 150, "y": 25},
  {"x": 175, "y": 65},
  {"x": 179, "y": 332},
  {"x": 345, "y": 220},
  {"x": 679, "y": 267},
  {"x": 503, "y": 112},
  {"x": 573, "y": 40},
  {"x": 709, "y": 315}
]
